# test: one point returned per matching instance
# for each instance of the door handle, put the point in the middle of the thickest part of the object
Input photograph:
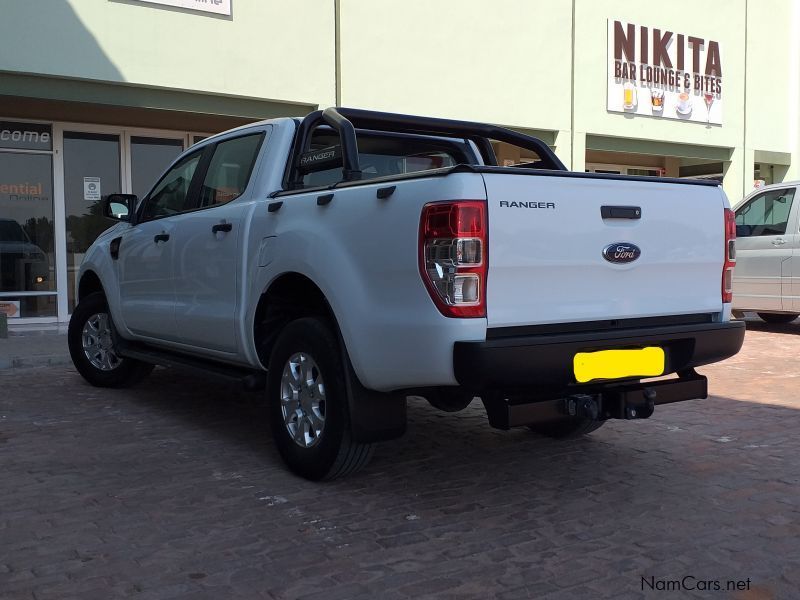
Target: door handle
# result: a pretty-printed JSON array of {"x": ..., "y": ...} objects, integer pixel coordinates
[
  {"x": 778, "y": 242},
  {"x": 224, "y": 227},
  {"x": 161, "y": 237}
]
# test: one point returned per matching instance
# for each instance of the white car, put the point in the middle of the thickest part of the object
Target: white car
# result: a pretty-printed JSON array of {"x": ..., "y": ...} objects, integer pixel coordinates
[
  {"x": 767, "y": 274},
  {"x": 350, "y": 259}
]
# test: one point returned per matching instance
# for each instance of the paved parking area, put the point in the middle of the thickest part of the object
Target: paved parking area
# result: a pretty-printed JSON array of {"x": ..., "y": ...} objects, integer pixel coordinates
[{"x": 173, "y": 490}]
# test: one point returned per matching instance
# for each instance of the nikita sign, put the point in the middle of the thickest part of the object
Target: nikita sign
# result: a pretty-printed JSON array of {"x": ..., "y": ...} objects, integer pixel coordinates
[{"x": 663, "y": 74}]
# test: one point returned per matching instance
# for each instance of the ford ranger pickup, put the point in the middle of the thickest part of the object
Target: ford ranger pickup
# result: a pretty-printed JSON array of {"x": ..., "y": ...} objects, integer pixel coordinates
[{"x": 346, "y": 261}]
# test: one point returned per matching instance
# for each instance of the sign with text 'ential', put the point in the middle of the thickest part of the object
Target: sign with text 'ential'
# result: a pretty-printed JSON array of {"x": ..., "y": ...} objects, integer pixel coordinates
[
  {"x": 664, "y": 74},
  {"x": 220, "y": 7}
]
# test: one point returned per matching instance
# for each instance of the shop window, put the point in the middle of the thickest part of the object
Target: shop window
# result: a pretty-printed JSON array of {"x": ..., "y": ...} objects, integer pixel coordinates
[{"x": 27, "y": 249}]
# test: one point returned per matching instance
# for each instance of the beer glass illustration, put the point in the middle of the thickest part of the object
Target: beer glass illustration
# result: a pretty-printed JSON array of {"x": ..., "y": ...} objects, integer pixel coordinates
[{"x": 630, "y": 99}]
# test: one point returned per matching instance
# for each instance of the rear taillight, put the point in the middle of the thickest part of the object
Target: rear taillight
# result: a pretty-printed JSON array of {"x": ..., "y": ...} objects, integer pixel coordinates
[
  {"x": 730, "y": 256},
  {"x": 453, "y": 256}
]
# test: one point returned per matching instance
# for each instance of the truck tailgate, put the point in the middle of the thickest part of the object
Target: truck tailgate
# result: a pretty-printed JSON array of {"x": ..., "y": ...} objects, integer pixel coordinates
[{"x": 546, "y": 242}]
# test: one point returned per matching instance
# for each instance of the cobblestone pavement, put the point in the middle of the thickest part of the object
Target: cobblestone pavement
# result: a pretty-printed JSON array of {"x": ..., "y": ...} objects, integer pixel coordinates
[{"x": 173, "y": 490}]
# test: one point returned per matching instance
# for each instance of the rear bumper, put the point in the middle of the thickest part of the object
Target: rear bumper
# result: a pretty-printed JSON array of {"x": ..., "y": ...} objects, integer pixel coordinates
[{"x": 545, "y": 362}]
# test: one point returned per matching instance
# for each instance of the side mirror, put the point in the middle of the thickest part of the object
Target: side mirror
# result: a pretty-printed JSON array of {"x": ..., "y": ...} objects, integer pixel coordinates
[{"x": 120, "y": 207}]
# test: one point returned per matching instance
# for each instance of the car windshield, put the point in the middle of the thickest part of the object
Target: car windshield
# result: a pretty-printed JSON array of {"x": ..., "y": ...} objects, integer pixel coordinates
[{"x": 10, "y": 231}]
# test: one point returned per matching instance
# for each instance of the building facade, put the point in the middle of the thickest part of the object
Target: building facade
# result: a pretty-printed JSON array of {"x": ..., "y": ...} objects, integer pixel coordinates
[{"x": 98, "y": 96}]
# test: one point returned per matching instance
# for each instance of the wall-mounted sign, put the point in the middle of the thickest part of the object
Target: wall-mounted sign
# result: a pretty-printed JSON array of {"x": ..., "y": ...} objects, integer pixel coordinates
[
  {"x": 25, "y": 136},
  {"x": 220, "y": 7},
  {"x": 663, "y": 74}
]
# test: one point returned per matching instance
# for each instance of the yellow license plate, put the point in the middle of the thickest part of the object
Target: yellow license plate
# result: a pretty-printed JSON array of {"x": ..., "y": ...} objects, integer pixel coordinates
[{"x": 618, "y": 364}]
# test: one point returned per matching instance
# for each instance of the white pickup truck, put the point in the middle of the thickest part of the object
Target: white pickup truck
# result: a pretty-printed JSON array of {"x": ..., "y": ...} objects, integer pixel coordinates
[{"x": 350, "y": 259}]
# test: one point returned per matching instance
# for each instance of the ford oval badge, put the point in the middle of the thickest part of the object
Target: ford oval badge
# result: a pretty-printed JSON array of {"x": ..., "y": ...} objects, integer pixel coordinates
[{"x": 621, "y": 252}]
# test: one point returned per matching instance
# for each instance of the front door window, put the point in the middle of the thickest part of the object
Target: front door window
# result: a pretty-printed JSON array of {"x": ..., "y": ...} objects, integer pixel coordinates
[{"x": 766, "y": 214}]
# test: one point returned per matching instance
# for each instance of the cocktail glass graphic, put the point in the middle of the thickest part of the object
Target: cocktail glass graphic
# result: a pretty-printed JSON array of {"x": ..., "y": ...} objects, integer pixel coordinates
[{"x": 709, "y": 98}]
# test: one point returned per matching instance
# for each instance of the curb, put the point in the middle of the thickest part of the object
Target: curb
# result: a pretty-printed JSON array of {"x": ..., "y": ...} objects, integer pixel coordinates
[{"x": 18, "y": 363}]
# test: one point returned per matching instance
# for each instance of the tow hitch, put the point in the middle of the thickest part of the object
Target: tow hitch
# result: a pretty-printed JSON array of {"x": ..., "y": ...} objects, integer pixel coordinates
[
  {"x": 625, "y": 401},
  {"x": 611, "y": 405}
]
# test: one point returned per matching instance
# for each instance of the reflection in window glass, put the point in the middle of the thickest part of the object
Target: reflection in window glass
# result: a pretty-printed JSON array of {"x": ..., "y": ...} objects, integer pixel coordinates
[
  {"x": 150, "y": 157},
  {"x": 27, "y": 256},
  {"x": 766, "y": 214},
  {"x": 27, "y": 259},
  {"x": 170, "y": 195}
]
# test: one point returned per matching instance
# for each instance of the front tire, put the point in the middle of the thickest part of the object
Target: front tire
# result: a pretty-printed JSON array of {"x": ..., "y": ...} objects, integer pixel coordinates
[
  {"x": 566, "y": 429},
  {"x": 308, "y": 403},
  {"x": 778, "y": 318},
  {"x": 92, "y": 346}
]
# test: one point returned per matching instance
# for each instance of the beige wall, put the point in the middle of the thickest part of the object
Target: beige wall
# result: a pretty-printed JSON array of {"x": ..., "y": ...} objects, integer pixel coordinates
[
  {"x": 268, "y": 49},
  {"x": 504, "y": 62}
]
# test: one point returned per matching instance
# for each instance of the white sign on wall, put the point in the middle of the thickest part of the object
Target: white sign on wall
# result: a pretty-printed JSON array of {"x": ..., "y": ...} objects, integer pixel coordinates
[
  {"x": 220, "y": 7},
  {"x": 663, "y": 74}
]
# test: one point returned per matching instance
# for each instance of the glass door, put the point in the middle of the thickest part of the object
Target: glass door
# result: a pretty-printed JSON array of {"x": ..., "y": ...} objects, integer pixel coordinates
[
  {"x": 91, "y": 172},
  {"x": 27, "y": 248},
  {"x": 150, "y": 157}
]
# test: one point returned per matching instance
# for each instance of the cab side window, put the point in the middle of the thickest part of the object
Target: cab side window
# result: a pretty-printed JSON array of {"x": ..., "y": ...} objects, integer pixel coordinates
[
  {"x": 766, "y": 214},
  {"x": 230, "y": 170},
  {"x": 171, "y": 194}
]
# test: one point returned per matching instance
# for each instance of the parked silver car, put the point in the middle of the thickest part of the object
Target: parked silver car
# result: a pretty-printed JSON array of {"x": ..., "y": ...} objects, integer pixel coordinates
[{"x": 767, "y": 274}]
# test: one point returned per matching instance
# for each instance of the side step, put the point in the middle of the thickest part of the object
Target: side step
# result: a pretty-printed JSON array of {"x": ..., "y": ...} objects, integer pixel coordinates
[{"x": 249, "y": 379}]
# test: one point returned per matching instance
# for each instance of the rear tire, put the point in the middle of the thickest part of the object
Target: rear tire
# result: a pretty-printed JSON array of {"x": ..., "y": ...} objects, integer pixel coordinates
[
  {"x": 309, "y": 408},
  {"x": 92, "y": 340},
  {"x": 566, "y": 429},
  {"x": 778, "y": 317}
]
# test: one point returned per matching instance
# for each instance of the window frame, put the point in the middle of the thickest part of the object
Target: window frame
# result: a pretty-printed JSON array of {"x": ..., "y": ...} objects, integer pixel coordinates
[
  {"x": 262, "y": 134},
  {"x": 206, "y": 152},
  {"x": 202, "y": 152},
  {"x": 763, "y": 193}
]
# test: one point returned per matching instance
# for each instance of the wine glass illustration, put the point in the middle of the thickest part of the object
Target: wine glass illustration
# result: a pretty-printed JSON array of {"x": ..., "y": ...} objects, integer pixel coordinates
[{"x": 709, "y": 98}]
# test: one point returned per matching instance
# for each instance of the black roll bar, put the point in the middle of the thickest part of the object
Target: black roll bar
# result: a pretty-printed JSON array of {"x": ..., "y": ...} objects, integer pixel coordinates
[
  {"x": 351, "y": 170},
  {"x": 345, "y": 121}
]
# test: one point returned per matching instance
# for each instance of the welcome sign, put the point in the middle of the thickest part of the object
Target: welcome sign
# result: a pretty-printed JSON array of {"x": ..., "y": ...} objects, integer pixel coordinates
[
  {"x": 220, "y": 7},
  {"x": 664, "y": 74}
]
